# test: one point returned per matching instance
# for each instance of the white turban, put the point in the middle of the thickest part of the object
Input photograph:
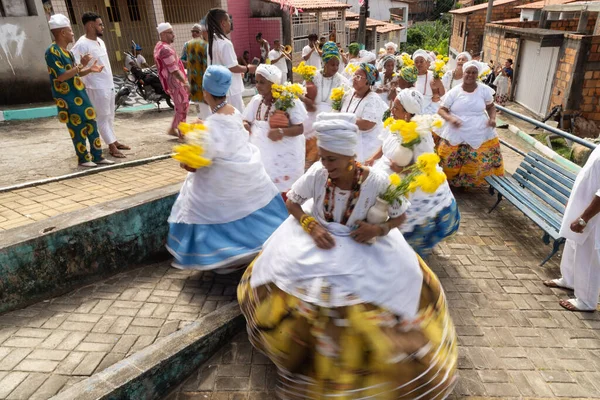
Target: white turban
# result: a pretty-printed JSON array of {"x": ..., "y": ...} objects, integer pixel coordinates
[
  {"x": 421, "y": 53},
  {"x": 477, "y": 64},
  {"x": 411, "y": 100},
  {"x": 269, "y": 72},
  {"x": 163, "y": 26},
  {"x": 391, "y": 44},
  {"x": 58, "y": 21},
  {"x": 367, "y": 56},
  {"x": 337, "y": 133},
  {"x": 466, "y": 54}
]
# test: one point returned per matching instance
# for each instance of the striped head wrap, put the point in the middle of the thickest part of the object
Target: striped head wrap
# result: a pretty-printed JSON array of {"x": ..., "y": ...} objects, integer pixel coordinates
[
  {"x": 386, "y": 58},
  {"x": 371, "y": 72},
  {"x": 409, "y": 74},
  {"x": 330, "y": 50}
]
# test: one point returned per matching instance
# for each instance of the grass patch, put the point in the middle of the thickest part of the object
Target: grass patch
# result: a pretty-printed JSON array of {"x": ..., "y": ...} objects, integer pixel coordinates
[{"x": 559, "y": 145}]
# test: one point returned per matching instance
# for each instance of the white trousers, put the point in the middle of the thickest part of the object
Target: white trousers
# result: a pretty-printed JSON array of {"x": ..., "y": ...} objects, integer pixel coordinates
[
  {"x": 237, "y": 101},
  {"x": 103, "y": 101},
  {"x": 580, "y": 269}
]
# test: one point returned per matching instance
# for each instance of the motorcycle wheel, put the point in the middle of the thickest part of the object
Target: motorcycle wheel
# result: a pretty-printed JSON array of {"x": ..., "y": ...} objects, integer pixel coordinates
[{"x": 169, "y": 102}]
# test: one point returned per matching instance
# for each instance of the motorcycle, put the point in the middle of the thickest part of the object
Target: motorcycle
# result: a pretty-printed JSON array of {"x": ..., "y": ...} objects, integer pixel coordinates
[{"x": 147, "y": 86}]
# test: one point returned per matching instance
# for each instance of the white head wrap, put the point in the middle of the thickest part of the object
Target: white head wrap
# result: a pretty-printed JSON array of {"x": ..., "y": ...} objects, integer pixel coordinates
[
  {"x": 466, "y": 54},
  {"x": 411, "y": 100},
  {"x": 477, "y": 64},
  {"x": 163, "y": 26},
  {"x": 367, "y": 56},
  {"x": 337, "y": 133},
  {"x": 58, "y": 21},
  {"x": 269, "y": 72},
  {"x": 421, "y": 53},
  {"x": 391, "y": 44}
]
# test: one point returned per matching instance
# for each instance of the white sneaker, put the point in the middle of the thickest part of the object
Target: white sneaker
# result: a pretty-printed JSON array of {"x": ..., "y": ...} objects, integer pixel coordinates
[
  {"x": 105, "y": 162},
  {"x": 88, "y": 164}
]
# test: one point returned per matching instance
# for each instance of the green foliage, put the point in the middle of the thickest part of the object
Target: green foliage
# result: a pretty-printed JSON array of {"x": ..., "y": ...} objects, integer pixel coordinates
[{"x": 429, "y": 35}]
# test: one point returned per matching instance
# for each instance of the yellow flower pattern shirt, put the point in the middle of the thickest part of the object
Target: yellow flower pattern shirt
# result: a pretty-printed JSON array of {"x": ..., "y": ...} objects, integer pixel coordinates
[{"x": 73, "y": 104}]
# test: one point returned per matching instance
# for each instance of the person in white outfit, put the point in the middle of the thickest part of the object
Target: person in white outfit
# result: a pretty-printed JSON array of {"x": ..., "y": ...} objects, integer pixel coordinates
[
  {"x": 279, "y": 59},
  {"x": 311, "y": 53},
  {"x": 431, "y": 89},
  {"x": 100, "y": 87},
  {"x": 580, "y": 264},
  {"x": 221, "y": 52}
]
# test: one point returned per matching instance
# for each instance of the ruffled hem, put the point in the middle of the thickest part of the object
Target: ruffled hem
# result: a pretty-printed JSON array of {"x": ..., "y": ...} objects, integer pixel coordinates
[{"x": 224, "y": 246}]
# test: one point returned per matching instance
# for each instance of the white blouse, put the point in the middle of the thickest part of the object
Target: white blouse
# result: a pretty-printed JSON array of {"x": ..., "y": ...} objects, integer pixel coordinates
[{"x": 369, "y": 108}]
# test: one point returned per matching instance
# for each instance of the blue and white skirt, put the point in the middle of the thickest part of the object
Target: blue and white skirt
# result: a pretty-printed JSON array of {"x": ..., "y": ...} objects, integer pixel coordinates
[
  {"x": 224, "y": 248},
  {"x": 424, "y": 237}
]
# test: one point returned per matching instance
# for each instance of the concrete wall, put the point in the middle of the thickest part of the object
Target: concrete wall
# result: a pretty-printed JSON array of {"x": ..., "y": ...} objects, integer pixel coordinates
[
  {"x": 23, "y": 71},
  {"x": 245, "y": 28}
]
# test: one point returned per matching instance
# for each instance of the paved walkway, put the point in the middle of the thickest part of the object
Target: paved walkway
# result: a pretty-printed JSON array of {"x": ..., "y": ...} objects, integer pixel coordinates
[
  {"x": 24, "y": 206},
  {"x": 51, "y": 345},
  {"x": 515, "y": 340}
]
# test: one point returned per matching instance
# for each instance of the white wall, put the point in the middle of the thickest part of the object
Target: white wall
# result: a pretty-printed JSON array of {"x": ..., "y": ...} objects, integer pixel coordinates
[{"x": 380, "y": 9}]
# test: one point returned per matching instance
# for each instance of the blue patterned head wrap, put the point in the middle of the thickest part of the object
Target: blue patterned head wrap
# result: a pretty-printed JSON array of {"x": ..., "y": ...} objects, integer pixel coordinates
[
  {"x": 330, "y": 50},
  {"x": 371, "y": 72}
]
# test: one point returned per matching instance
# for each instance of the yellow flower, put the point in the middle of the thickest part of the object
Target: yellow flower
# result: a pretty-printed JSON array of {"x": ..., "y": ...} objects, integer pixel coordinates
[
  {"x": 439, "y": 57},
  {"x": 78, "y": 101},
  {"x": 276, "y": 95},
  {"x": 428, "y": 162},
  {"x": 446, "y": 59},
  {"x": 437, "y": 123},
  {"x": 394, "y": 180},
  {"x": 426, "y": 184},
  {"x": 388, "y": 122}
]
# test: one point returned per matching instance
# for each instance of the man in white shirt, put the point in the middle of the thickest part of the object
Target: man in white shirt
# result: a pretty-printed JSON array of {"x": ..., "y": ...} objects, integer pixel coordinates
[
  {"x": 99, "y": 87},
  {"x": 279, "y": 59},
  {"x": 311, "y": 53},
  {"x": 220, "y": 52},
  {"x": 580, "y": 264}
]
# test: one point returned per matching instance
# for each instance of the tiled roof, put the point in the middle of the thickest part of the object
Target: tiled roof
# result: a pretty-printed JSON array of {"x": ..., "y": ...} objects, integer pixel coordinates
[
  {"x": 507, "y": 21},
  {"x": 482, "y": 6},
  {"x": 307, "y": 5},
  {"x": 353, "y": 15},
  {"x": 370, "y": 23},
  {"x": 389, "y": 28},
  {"x": 538, "y": 5}
]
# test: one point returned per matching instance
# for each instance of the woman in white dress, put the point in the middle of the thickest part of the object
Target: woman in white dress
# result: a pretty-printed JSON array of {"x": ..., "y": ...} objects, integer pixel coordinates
[
  {"x": 368, "y": 108},
  {"x": 325, "y": 81},
  {"x": 454, "y": 77},
  {"x": 338, "y": 317},
  {"x": 469, "y": 148},
  {"x": 431, "y": 217},
  {"x": 431, "y": 89},
  {"x": 282, "y": 149},
  {"x": 226, "y": 211},
  {"x": 388, "y": 82}
]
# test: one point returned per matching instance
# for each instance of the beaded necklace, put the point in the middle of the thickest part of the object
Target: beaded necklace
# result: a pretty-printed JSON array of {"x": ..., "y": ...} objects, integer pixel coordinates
[
  {"x": 360, "y": 101},
  {"x": 259, "y": 109},
  {"x": 321, "y": 91},
  {"x": 219, "y": 106},
  {"x": 329, "y": 201}
]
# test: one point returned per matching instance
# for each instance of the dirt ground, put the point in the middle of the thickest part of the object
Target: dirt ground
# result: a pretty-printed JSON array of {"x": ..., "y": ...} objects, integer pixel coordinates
[{"x": 38, "y": 149}]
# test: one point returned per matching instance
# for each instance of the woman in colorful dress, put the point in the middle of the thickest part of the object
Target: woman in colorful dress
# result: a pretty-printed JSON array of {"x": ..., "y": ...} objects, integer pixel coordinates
[
  {"x": 469, "y": 148},
  {"x": 388, "y": 82},
  {"x": 503, "y": 81},
  {"x": 368, "y": 108},
  {"x": 431, "y": 89},
  {"x": 454, "y": 77},
  {"x": 340, "y": 318},
  {"x": 431, "y": 217},
  {"x": 226, "y": 211},
  {"x": 325, "y": 81},
  {"x": 282, "y": 149}
]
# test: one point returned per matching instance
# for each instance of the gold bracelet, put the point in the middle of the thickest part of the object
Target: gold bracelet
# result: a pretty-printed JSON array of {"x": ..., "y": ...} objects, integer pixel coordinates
[
  {"x": 303, "y": 218},
  {"x": 307, "y": 223}
]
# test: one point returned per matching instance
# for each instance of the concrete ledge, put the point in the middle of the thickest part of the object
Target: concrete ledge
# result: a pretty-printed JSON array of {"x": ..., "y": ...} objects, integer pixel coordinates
[
  {"x": 56, "y": 255},
  {"x": 153, "y": 371}
]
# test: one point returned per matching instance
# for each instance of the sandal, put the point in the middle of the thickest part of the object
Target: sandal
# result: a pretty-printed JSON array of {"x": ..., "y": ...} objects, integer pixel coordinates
[
  {"x": 568, "y": 304},
  {"x": 553, "y": 283},
  {"x": 123, "y": 147}
]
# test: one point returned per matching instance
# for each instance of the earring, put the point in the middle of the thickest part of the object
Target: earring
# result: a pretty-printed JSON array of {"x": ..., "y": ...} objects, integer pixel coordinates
[{"x": 350, "y": 167}]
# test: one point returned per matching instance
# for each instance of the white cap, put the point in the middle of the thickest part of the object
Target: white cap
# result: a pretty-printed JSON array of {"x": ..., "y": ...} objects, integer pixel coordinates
[
  {"x": 163, "y": 26},
  {"x": 58, "y": 21},
  {"x": 337, "y": 133}
]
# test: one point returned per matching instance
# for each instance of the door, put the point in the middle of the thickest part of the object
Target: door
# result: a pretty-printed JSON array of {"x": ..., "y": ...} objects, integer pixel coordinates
[{"x": 537, "y": 66}]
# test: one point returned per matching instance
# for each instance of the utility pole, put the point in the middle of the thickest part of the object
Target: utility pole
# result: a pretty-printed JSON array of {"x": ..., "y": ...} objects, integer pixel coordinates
[
  {"x": 488, "y": 16},
  {"x": 362, "y": 23}
]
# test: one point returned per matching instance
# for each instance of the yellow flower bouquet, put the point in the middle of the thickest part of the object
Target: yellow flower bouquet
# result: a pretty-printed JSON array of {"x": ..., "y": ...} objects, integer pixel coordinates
[
  {"x": 406, "y": 60},
  {"x": 438, "y": 68},
  {"x": 351, "y": 69},
  {"x": 423, "y": 175},
  {"x": 407, "y": 131},
  {"x": 284, "y": 96},
  {"x": 306, "y": 71},
  {"x": 337, "y": 94},
  {"x": 193, "y": 151},
  {"x": 484, "y": 74}
]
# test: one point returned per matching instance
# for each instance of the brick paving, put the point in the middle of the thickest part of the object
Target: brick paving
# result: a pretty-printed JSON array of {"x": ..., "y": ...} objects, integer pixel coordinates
[
  {"x": 515, "y": 340},
  {"x": 25, "y": 206},
  {"x": 51, "y": 345}
]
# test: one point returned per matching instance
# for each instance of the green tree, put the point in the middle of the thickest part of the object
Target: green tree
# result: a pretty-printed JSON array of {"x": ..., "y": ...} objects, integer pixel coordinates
[{"x": 428, "y": 35}]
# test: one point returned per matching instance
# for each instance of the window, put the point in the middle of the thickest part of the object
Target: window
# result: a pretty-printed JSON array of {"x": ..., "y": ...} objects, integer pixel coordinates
[
  {"x": 134, "y": 10},
  {"x": 461, "y": 29},
  {"x": 185, "y": 11},
  {"x": 17, "y": 8},
  {"x": 114, "y": 15},
  {"x": 71, "y": 12}
]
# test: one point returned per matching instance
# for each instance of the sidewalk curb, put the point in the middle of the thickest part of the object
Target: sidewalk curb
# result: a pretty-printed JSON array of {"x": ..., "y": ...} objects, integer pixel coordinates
[
  {"x": 160, "y": 367},
  {"x": 545, "y": 150}
]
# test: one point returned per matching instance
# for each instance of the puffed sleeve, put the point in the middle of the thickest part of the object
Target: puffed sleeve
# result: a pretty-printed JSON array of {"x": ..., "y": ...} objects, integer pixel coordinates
[
  {"x": 373, "y": 109},
  {"x": 304, "y": 188},
  {"x": 250, "y": 110},
  {"x": 448, "y": 99},
  {"x": 297, "y": 113}
]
